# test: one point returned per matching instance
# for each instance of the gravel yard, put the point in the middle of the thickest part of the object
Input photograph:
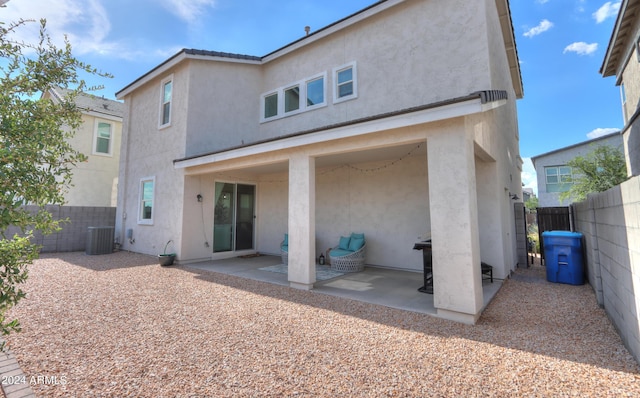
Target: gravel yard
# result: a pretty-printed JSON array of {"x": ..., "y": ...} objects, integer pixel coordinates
[{"x": 120, "y": 325}]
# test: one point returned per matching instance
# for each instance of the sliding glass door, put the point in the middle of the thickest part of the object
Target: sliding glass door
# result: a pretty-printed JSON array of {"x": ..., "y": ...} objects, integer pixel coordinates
[{"x": 234, "y": 216}]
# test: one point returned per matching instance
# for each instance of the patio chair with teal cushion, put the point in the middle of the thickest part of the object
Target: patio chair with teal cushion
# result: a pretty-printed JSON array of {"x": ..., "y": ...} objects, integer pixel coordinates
[
  {"x": 284, "y": 250},
  {"x": 349, "y": 255}
]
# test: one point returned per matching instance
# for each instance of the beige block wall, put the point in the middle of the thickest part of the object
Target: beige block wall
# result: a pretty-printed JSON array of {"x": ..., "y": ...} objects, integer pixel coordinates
[{"x": 610, "y": 222}]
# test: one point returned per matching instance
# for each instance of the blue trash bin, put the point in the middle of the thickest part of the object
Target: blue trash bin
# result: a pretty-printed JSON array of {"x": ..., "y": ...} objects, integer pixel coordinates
[{"x": 563, "y": 257}]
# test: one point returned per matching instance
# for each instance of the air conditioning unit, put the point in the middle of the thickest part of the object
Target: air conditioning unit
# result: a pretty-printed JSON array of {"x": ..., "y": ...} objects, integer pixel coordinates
[{"x": 99, "y": 240}]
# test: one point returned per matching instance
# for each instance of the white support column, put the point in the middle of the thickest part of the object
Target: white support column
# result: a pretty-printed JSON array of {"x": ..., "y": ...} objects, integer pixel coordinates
[
  {"x": 302, "y": 221},
  {"x": 491, "y": 201},
  {"x": 453, "y": 207}
]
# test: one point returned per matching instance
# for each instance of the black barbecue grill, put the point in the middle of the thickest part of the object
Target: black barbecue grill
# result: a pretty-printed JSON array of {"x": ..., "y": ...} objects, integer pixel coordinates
[{"x": 427, "y": 264}]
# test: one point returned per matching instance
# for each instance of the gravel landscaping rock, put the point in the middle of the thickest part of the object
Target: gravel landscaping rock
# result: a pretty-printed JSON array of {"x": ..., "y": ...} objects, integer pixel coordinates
[{"x": 120, "y": 325}]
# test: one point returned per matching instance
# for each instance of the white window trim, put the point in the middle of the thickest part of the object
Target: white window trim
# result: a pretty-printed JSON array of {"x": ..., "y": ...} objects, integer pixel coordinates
[
  {"x": 262, "y": 105},
  {"x": 153, "y": 200},
  {"x": 558, "y": 175},
  {"x": 352, "y": 65},
  {"x": 302, "y": 85},
  {"x": 161, "y": 107},
  {"x": 300, "y": 106},
  {"x": 322, "y": 76},
  {"x": 95, "y": 138}
]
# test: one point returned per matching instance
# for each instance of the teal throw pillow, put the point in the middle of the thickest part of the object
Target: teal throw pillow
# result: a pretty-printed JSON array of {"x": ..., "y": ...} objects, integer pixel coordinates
[
  {"x": 344, "y": 242},
  {"x": 356, "y": 244},
  {"x": 359, "y": 236},
  {"x": 286, "y": 240}
]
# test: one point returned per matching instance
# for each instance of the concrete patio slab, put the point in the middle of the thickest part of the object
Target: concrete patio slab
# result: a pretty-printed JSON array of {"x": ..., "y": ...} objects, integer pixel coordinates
[{"x": 382, "y": 286}]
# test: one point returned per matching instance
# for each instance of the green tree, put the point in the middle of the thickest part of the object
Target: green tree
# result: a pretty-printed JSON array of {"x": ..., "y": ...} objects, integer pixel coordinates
[
  {"x": 36, "y": 159},
  {"x": 602, "y": 168},
  {"x": 532, "y": 203}
]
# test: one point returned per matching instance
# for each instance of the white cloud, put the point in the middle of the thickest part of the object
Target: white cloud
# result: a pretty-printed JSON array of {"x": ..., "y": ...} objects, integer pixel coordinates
[
  {"x": 599, "y": 132},
  {"x": 543, "y": 26},
  {"x": 542, "y": 1},
  {"x": 608, "y": 10},
  {"x": 581, "y": 48},
  {"x": 188, "y": 10},
  {"x": 529, "y": 176},
  {"x": 84, "y": 22}
]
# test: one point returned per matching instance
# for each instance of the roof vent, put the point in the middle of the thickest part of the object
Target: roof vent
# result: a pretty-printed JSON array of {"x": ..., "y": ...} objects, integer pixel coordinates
[{"x": 307, "y": 29}]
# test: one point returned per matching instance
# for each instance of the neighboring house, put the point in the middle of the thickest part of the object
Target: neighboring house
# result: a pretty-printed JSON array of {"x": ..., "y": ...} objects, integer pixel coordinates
[
  {"x": 622, "y": 60},
  {"x": 527, "y": 193},
  {"x": 554, "y": 176},
  {"x": 396, "y": 122},
  {"x": 95, "y": 181}
]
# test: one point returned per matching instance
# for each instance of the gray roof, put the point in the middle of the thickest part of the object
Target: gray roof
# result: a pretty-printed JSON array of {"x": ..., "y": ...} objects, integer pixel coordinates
[{"x": 93, "y": 103}]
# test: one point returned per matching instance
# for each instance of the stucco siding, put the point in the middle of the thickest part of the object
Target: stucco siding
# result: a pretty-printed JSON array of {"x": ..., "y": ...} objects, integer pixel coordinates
[
  {"x": 631, "y": 137},
  {"x": 400, "y": 61},
  {"x": 93, "y": 180},
  {"x": 631, "y": 75},
  {"x": 631, "y": 81},
  {"x": 149, "y": 153},
  {"x": 223, "y": 105}
]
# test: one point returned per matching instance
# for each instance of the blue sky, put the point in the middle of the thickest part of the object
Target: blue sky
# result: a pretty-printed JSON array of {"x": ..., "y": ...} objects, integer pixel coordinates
[{"x": 561, "y": 45}]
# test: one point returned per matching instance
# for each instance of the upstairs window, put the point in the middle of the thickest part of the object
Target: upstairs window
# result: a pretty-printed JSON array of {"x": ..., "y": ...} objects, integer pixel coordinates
[
  {"x": 165, "y": 107},
  {"x": 345, "y": 79},
  {"x": 292, "y": 99},
  {"x": 297, "y": 97},
  {"x": 102, "y": 139},
  {"x": 270, "y": 105},
  {"x": 315, "y": 92},
  {"x": 558, "y": 178}
]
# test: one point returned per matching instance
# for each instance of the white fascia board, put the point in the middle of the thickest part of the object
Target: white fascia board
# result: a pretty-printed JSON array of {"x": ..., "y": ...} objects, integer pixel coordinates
[
  {"x": 222, "y": 59},
  {"x": 393, "y": 122},
  {"x": 324, "y": 32}
]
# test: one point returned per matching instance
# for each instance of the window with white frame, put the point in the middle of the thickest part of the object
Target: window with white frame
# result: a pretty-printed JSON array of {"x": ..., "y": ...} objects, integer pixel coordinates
[
  {"x": 147, "y": 194},
  {"x": 315, "y": 88},
  {"x": 166, "y": 100},
  {"x": 102, "y": 138},
  {"x": 301, "y": 96},
  {"x": 345, "y": 83},
  {"x": 270, "y": 105},
  {"x": 558, "y": 178},
  {"x": 292, "y": 99}
]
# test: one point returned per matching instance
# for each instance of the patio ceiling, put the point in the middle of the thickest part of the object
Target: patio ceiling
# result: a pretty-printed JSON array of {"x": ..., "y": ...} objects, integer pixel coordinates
[{"x": 369, "y": 155}]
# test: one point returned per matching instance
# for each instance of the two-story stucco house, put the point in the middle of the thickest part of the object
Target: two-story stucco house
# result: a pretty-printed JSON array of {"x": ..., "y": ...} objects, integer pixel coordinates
[
  {"x": 396, "y": 122},
  {"x": 622, "y": 60},
  {"x": 555, "y": 176},
  {"x": 95, "y": 182}
]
